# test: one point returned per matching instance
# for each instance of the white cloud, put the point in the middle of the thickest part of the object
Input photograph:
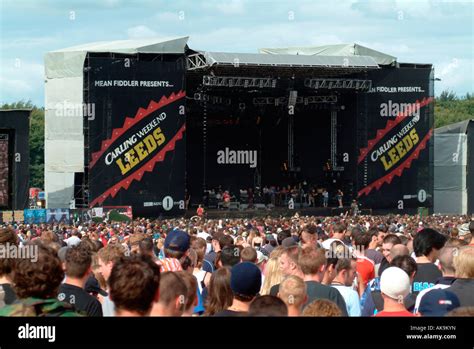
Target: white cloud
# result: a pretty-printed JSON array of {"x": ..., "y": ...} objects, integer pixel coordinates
[
  {"x": 21, "y": 80},
  {"x": 141, "y": 31},
  {"x": 455, "y": 75}
]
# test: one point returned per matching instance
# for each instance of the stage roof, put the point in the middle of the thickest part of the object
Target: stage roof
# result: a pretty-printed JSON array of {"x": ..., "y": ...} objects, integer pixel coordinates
[
  {"x": 150, "y": 45},
  {"x": 347, "y": 50},
  {"x": 288, "y": 60},
  {"x": 69, "y": 62}
]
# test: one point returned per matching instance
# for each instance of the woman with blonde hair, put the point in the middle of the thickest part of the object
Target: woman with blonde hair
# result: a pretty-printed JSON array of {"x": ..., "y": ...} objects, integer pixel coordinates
[{"x": 272, "y": 273}]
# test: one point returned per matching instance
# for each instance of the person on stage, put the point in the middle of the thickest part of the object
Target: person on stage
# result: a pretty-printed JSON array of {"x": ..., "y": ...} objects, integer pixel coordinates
[
  {"x": 339, "y": 197},
  {"x": 200, "y": 211},
  {"x": 325, "y": 197}
]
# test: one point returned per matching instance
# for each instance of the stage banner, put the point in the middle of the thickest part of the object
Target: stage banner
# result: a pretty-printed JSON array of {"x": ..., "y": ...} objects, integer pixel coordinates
[
  {"x": 118, "y": 213},
  {"x": 80, "y": 215},
  {"x": 395, "y": 141},
  {"x": 18, "y": 216},
  {"x": 57, "y": 215},
  {"x": 34, "y": 216},
  {"x": 7, "y": 216},
  {"x": 136, "y": 135}
]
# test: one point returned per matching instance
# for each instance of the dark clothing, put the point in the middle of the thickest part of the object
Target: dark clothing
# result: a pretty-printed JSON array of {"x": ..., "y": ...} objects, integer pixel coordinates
[
  {"x": 464, "y": 289},
  {"x": 211, "y": 257},
  {"x": 445, "y": 280},
  {"x": 316, "y": 290},
  {"x": 10, "y": 295},
  {"x": 83, "y": 302},
  {"x": 230, "y": 313},
  {"x": 383, "y": 265},
  {"x": 425, "y": 277}
]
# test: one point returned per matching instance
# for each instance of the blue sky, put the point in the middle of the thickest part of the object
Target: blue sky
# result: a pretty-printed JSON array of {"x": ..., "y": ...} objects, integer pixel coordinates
[{"x": 422, "y": 31}]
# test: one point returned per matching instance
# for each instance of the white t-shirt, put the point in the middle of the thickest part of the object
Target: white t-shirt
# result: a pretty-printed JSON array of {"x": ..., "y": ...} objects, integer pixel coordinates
[
  {"x": 351, "y": 298},
  {"x": 108, "y": 307}
]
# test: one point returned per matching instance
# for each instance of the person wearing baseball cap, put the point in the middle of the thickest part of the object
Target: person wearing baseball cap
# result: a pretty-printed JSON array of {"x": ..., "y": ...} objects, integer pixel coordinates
[
  {"x": 176, "y": 247},
  {"x": 438, "y": 302},
  {"x": 245, "y": 283},
  {"x": 394, "y": 286}
]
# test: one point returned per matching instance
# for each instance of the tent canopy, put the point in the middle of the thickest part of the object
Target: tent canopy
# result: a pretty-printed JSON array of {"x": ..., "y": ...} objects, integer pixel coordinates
[
  {"x": 458, "y": 127},
  {"x": 348, "y": 50}
]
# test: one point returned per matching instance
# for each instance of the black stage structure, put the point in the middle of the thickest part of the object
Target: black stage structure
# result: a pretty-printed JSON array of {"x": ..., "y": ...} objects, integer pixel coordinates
[
  {"x": 14, "y": 158},
  {"x": 312, "y": 125},
  {"x": 242, "y": 123}
]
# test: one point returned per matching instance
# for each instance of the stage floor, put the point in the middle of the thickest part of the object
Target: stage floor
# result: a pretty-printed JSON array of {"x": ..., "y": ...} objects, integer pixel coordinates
[{"x": 274, "y": 212}]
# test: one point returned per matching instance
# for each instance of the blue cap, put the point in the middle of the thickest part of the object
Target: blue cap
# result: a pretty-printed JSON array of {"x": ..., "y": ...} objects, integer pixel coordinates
[
  {"x": 245, "y": 279},
  {"x": 438, "y": 302},
  {"x": 177, "y": 240}
]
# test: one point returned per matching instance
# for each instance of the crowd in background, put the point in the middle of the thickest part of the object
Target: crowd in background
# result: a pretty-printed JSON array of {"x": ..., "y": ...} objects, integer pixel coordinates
[{"x": 397, "y": 265}]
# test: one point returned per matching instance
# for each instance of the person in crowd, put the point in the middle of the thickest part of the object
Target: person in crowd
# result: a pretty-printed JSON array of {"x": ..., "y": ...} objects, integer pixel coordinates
[
  {"x": 78, "y": 267},
  {"x": 388, "y": 242},
  {"x": 338, "y": 234},
  {"x": 372, "y": 300},
  {"x": 446, "y": 257},
  {"x": 312, "y": 262},
  {"x": 36, "y": 283},
  {"x": 171, "y": 299},
  {"x": 394, "y": 286},
  {"x": 292, "y": 292},
  {"x": 220, "y": 296},
  {"x": 192, "y": 299},
  {"x": 267, "y": 306},
  {"x": 8, "y": 239},
  {"x": 272, "y": 272},
  {"x": 288, "y": 264},
  {"x": 134, "y": 283},
  {"x": 245, "y": 282},
  {"x": 463, "y": 286},
  {"x": 427, "y": 245},
  {"x": 365, "y": 266},
  {"x": 248, "y": 254},
  {"x": 322, "y": 308},
  {"x": 466, "y": 231},
  {"x": 438, "y": 302},
  {"x": 177, "y": 244},
  {"x": 346, "y": 270},
  {"x": 107, "y": 257}
]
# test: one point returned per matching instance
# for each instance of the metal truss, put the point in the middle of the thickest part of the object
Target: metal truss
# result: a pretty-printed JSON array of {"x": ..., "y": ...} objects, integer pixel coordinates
[
  {"x": 299, "y": 100},
  {"x": 195, "y": 61},
  {"x": 234, "y": 81},
  {"x": 354, "y": 84}
]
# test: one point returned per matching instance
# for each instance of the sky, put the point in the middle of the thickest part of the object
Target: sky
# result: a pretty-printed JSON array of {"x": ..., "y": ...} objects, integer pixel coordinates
[{"x": 415, "y": 31}]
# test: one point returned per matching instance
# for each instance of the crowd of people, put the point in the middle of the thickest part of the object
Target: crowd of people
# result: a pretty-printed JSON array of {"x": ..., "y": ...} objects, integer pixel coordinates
[{"x": 396, "y": 265}]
